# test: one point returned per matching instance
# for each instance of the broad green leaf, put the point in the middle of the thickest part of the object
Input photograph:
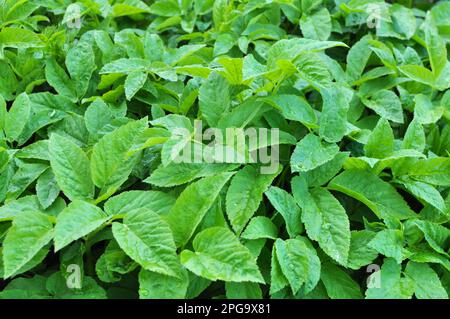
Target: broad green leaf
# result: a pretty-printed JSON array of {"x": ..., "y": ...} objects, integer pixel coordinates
[
  {"x": 338, "y": 283},
  {"x": 156, "y": 201},
  {"x": 360, "y": 253},
  {"x": 214, "y": 98},
  {"x": 388, "y": 283},
  {"x": 285, "y": 204},
  {"x": 378, "y": 195},
  {"x": 389, "y": 242},
  {"x": 386, "y": 104},
  {"x": 30, "y": 232},
  {"x": 80, "y": 62},
  {"x": 78, "y": 219},
  {"x": 426, "y": 281},
  {"x": 381, "y": 141},
  {"x": 147, "y": 239},
  {"x": 299, "y": 263},
  {"x": 133, "y": 83},
  {"x": 245, "y": 194},
  {"x": 71, "y": 168},
  {"x": 316, "y": 25},
  {"x": 17, "y": 117},
  {"x": 57, "y": 77},
  {"x": 111, "y": 162},
  {"x": 220, "y": 256},
  {"x": 192, "y": 205},
  {"x": 311, "y": 152},
  {"x": 294, "y": 108},
  {"x": 325, "y": 219},
  {"x": 153, "y": 285},
  {"x": 47, "y": 189},
  {"x": 181, "y": 173},
  {"x": 260, "y": 227}
]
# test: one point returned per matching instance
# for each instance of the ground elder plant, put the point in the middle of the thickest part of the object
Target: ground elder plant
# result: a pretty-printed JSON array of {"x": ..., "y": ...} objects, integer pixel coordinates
[{"x": 224, "y": 149}]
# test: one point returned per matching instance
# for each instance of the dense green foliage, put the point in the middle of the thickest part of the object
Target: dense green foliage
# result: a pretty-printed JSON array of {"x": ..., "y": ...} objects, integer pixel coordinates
[{"x": 93, "y": 94}]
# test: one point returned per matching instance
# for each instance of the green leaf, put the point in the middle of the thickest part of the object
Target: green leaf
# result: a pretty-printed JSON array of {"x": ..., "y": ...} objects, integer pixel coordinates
[
  {"x": 111, "y": 162},
  {"x": 29, "y": 233},
  {"x": 360, "y": 253},
  {"x": 147, "y": 239},
  {"x": 285, "y": 204},
  {"x": 294, "y": 108},
  {"x": 17, "y": 117},
  {"x": 71, "y": 168},
  {"x": 78, "y": 219},
  {"x": 381, "y": 141},
  {"x": 214, "y": 98},
  {"x": 389, "y": 242},
  {"x": 311, "y": 152},
  {"x": 181, "y": 173},
  {"x": 426, "y": 281},
  {"x": 378, "y": 195},
  {"x": 156, "y": 201},
  {"x": 220, "y": 256},
  {"x": 325, "y": 219},
  {"x": 316, "y": 25},
  {"x": 133, "y": 83},
  {"x": 260, "y": 227},
  {"x": 57, "y": 77},
  {"x": 153, "y": 285},
  {"x": 387, "y": 283},
  {"x": 245, "y": 194},
  {"x": 47, "y": 189},
  {"x": 299, "y": 263},
  {"x": 192, "y": 205},
  {"x": 386, "y": 104},
  {"x": 338, "y": 283},
  {"x": 425, "y": 192},
  {"x": 333, "y": 120},
  {"x": 80, "y": 62}
]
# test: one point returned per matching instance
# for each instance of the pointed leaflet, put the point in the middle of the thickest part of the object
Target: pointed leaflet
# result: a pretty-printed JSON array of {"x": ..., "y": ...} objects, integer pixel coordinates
[
  {"x": 360, "y": 254},
  {"x": 285, "y": 204},
  {"x": 386, "y": 104},
  {"x": 220, "y": 256},
  {"x": 338, "y": 283},
  {"x": 156, "y": 201},
  {"x": 57, "y": 77},
  {"x": 17, "y": 117},
  {"x": 299, "y": 263},
  {"x": 311, "y": 152},
  {"x": 316, "y": 25},
  {"x": 181, "y": 173},
  {"x": 294, "y": 108},
  {"x": 214, "y": 98},
  {"x": 80, "y": 62},
  {"x": 381, "y": 141},
  {"x": 378, "y": 195},
  {"x": 245, "y": 194},
  {"x": 333, "y": 120},
  {"x": 147, "y": 239},
  {"x": 325, "y": 219},
  {"x": 111, "y": 162},
  {"x": 71, "y": 168},
  {"x": 389, "y": 242},
  {"x": 78, "y": 219},
  {"x": 153, "y": 285},
  {"x": 426, "y": 282},
  {"x": 387, "y": 283},
  {"x": 192, "y": 205},
  {"x": 29, "y": 233},
  {"x": 260, "y": 227},
  {"x": 47, "y": 188}
]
